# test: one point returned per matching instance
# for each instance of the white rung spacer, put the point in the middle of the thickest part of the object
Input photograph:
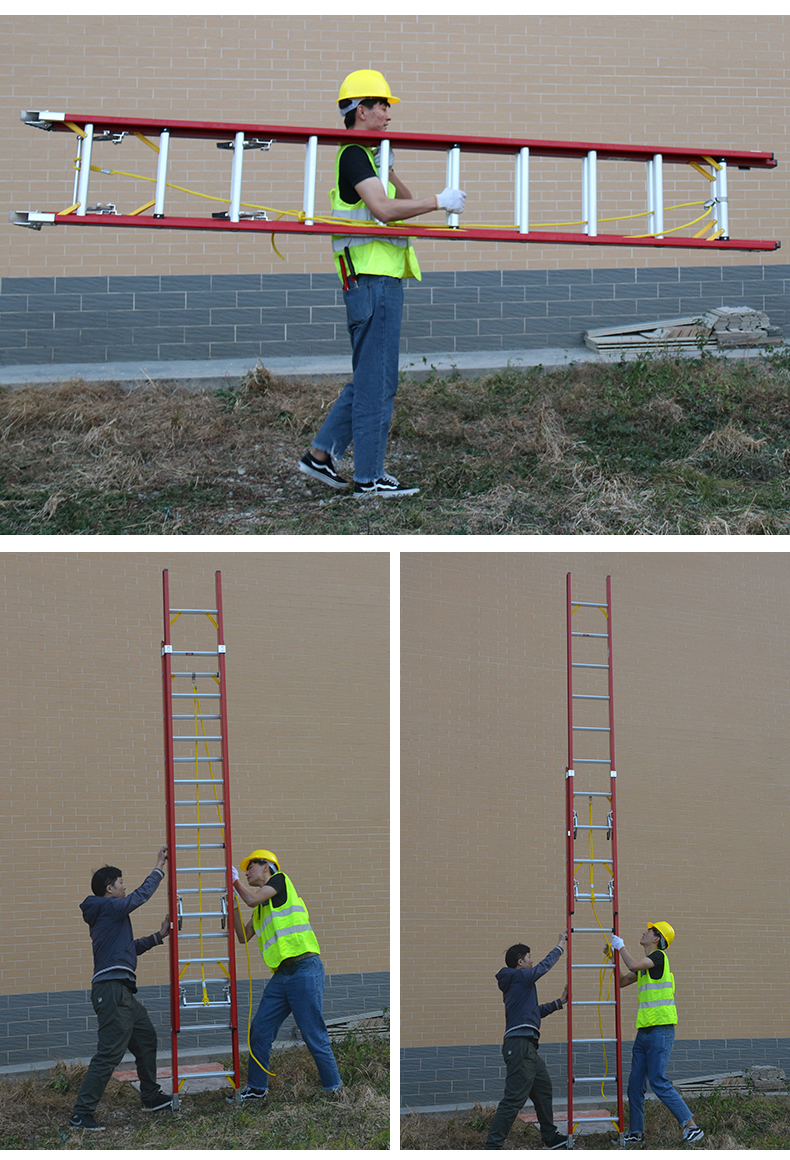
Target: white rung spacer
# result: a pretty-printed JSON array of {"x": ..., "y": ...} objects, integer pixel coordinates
[
  {"x": 235, "y": 177},
  {"x": 86, "y": 148},
  {"x": 161, "y": 173},
  {"x": 310, "y": 163}
]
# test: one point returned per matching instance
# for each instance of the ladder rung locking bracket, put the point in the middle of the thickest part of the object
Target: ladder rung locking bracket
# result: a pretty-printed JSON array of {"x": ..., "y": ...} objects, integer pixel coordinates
[{"x": 95, "y": 130}]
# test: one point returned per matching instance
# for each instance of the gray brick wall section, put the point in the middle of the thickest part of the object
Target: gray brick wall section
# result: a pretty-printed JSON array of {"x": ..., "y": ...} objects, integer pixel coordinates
[
  {"x": 114, "y": 319},
  {"x": 459, "y": 1075},
  {"x": 54, "y": 1025}
]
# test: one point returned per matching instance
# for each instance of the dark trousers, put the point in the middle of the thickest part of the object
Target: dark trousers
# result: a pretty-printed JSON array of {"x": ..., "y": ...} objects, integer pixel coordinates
[
  {"x": 527, "y": 1078},
  {"x": 124, "y": 1024}
]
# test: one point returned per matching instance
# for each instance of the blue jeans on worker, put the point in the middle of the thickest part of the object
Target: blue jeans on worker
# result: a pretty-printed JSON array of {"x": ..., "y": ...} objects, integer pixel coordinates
[
  {"x": 362, "y": 413},
  {"x": 296, "y": 988},
  {"x": 649, "y": 1061}
]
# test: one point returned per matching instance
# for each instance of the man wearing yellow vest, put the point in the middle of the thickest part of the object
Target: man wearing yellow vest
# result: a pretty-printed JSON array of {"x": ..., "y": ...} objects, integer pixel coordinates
[
  {"x": 371, "y": 270},
  {"x": 290, "y": 950},
  {"x": 656, "y": 1018}
]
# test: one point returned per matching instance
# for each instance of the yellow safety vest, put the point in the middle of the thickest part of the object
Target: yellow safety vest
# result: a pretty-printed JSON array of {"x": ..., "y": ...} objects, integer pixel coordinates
[
  {"x": 656, "y": 998},
  {"x": 390, "y": 256},
  {"x": 284, "y": 932}
]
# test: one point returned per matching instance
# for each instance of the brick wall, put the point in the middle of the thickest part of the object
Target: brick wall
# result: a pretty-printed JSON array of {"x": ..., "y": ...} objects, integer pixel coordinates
[
  {"x": 308, "y": 743},
  {"x": 701, "y": 693},
  {"x": 250, "y": 316}
]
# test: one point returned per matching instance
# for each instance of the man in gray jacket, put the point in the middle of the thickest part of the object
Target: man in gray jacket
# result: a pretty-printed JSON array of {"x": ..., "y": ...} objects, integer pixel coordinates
[
  {"x": 527, "y": 1076},
  {"x": 123, "y": 1021}
]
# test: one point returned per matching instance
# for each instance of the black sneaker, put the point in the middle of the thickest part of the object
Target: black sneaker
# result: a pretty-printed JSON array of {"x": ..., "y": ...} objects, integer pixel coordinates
[
  {"x": 692, "y": 1134},
  {"x": 323, "y": 471},
  {"x": 384, "y": 487},
  {"x": 249, "y": 1093},
  {"x": 86, "y": 1121},
  {"x": 158, "y": 1103},
  {"x": 558, "y": 1141},
  {"x": 633, "y": 1138}
]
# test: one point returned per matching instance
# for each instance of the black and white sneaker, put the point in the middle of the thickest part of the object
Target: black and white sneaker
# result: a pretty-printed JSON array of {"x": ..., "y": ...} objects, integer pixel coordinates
[
  {"x": 634, "y": 1138},
  {"x": 323, "y": 471},
  {"x": 383, "y": 487},
  {"x": 558, "y": 1141},
  {"x": 158, "y": 1103},
  {"x": 248, "y": 1093},
  {"x": 85, "y": 1121},
  {"x": 692, "y": 1134}
]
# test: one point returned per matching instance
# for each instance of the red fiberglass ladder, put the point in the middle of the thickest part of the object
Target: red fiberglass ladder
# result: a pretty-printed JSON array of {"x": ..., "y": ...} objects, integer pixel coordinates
[
  {"x": 93, "y": 133},
  {"x": 594, "y": 1025},
  {"x": 200, "y": 890}
]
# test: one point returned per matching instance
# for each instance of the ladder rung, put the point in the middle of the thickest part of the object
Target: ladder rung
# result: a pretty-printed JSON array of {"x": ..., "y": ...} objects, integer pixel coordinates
[
  {"x": 193, "y": 611},
  {"x": 205, "y": 1074},
  {"x": 593, "y": 898},
  {"x": 589, "y": 861},
  {"x": 185, "y": 760},
  {"x": 594, "y": 761},
  {"x": 581, "y": 966},
  {"x": 206, "y": 934},
  {"x": 577, "y": 729},
  {"x": 202, "y": 914},
  {"x": 591, "y": 1002},
  {"x": 589, "y": 697},
  {"x": 595, "y": 1079},
  {"x": 204, "y": 652},
  {"x": 585, "y": 793},
  {"x": 591, "y": 930},
  {"x": 605, "y": 635},
  {"x": 577, "y": 665},
  {"x": 197, "y": 737},
  {"x": 194, "y": 695},
  {"x": 589, "y": 604},
  {"x": 607, "y": 828},
  {"x": 202, "y": 716},
  {"x": 206, "y": 982},
  {"x": 189, "y": 961},
  {"x": 215, "y": 781},
  {"x": 594, "y": 1041},
  {"x": 202, "y": 802},
  {"x": 191, "y": 696},
  {"x": 200, "y": 845},
  {"x": 201, "y": 870},
  {"x": 221, "y": 826},
  {"x": 202, "y": 889},
  {"x": 204, "y": 1027}
]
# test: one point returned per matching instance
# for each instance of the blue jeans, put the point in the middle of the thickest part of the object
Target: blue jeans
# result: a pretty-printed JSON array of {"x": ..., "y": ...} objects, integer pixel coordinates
[
  {"x": 295, "y": 988},
  {"x": 362, "y": 413},
  {"x": 652, "y": 1049}
]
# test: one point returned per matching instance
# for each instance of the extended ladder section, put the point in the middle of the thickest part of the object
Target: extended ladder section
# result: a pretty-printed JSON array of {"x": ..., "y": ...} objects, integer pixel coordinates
[
  {"x": 202, "y": 949},
  {"x": 594, "y": 1026},
  {"x": 94, "y": 133}
]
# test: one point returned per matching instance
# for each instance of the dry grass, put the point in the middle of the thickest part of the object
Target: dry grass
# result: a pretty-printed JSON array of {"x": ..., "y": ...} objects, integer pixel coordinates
[
  {"x": 34, "y": 1110},
  {"x": 651, "y": 447},
  {"x": 729, "y": 1121}
]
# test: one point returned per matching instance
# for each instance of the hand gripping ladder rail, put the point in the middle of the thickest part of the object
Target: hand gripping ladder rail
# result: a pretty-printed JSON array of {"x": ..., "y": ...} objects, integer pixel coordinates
[
  {"x": 591, "y": 855},
  {"x": 200, "y": 889},
  {"x": 95, "y": 132}
]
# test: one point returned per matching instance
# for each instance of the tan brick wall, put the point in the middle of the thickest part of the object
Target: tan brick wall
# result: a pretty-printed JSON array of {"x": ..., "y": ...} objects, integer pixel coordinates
[
  {"x": 308, "y": 701},
  {"x": 648, "y": 80},
  {"x": 702, "y": 736}
]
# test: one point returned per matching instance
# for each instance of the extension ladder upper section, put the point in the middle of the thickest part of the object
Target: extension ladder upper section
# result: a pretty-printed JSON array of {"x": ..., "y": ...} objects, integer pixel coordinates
[
  {"x": 218, "y": 131},
  {"x": 709, "y": 205}
]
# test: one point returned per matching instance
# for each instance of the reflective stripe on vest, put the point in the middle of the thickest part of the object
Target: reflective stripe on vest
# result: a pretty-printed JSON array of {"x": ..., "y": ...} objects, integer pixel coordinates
[
  {"x": 656, "y": 998},
  {"x": 358, "y": 211},
  {"x": 284, "y": 931}
]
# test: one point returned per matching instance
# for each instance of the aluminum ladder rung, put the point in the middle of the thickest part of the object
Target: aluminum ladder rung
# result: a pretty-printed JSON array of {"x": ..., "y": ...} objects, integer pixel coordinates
[
  {"x": 201, "y": 914},
  {"x": 204, "y": 1027},
  {"x": 192, "y": 696},
  {"x": 200, "y": 845},
  {"x": 604, "y": 635},
  {"x": 590, "y": 793},
  {"x": 576, "y": 729},
  {"x": 207, "y": 982},
  {"x": 203, "y": 889},
  {"x": 607, "y": 828},
  {"x": 193, "y": 611},
  {"x": 190, "y": 675},
  {"x": 577, "y": 966},
  {"x": 593, "y": 898},
  {"x": 581, "y": 665},
  {"x": 209, "y": 826},
  {"x": 206, "y": 1074},
  {"x": 203, "y": 652},
  {"x": 591, "y": 930},
  {"x": 595, "y": 1079},
  {"x": 189, "y": 962},
  {"x": 201, "y": 869},
  {"x": 593, "y": 1003},
  {"x": 203, "y": 934},
  {"x": 590, "y": 861},
  {"x": 589, "y": 697},
  {"x": 197, "y": 716},
  {"x": 595, "y": 1040},
  {"x": 198, "y": 781},
  {"x": 198, "y": 802},
  {"x": 188, "y": 760},
  {"x": 589, "y": 604},
  {"x": 197, "y": 737},
  {"x": 594, "y": 761}
]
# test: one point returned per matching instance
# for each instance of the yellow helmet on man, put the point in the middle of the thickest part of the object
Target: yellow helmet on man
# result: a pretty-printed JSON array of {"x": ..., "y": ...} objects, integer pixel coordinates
[
  {"x": 363, "y": 83},
  {"x": 666, "y": 931},
  {"x": 259, "y": 856}
]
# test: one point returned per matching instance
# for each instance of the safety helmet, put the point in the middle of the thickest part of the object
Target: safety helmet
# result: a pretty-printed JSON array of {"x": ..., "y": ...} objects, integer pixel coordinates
[
  {"x": 666, "y": 931},
  {"x": 259, "y": 856},
  {"x": 365, "y": 82}
]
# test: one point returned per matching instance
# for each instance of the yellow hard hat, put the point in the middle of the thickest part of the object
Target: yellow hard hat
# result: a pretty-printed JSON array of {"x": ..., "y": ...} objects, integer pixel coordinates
[
  {"x": 366, "y": 82},
  {"x": 665, "y": 930},
  {"x": 257, "y": 856}
]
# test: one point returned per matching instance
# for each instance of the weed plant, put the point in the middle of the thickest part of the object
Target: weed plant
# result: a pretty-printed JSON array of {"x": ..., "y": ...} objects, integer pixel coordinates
[{"x": 649, "y": 446}]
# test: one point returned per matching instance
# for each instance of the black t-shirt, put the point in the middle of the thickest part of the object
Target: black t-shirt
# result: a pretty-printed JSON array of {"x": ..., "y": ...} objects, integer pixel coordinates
[
  {"x": 355, "y": 166},
  {"x": 658, "y": 958},
  {"x": 277, "y": 882}
]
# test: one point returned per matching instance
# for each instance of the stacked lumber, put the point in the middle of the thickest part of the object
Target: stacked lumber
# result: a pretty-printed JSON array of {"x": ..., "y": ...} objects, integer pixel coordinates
[{"x": 721, "y": 328}]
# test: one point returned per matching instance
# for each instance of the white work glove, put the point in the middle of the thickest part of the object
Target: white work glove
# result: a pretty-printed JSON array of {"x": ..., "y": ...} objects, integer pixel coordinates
[
  {"x": 234, "y": 874},
  {"x": 617, "y": 943},
  {"x": 453, "y": 200},
  {"x": 377, "y": 157}
]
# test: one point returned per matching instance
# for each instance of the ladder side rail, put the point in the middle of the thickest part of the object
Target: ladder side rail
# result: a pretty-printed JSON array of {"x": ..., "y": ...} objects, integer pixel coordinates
[
  {"x": 172, "y": 890},
  {"x": 234, "y": 1019},
  {"x": 615, "y": 875},
  {"x": 216, "y": 130},
  {"x": 569, "y": 851}
]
